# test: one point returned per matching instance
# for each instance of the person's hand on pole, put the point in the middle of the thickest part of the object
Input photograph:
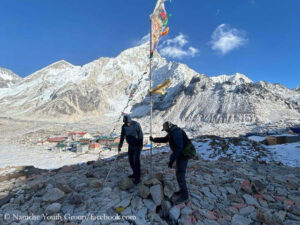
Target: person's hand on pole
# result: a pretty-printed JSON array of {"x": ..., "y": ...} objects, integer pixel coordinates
[{"x": 119, "y": 149}]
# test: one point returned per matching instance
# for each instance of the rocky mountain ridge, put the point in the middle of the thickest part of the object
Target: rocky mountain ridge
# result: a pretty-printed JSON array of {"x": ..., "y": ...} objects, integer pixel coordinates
[{"x": 107, "y": 87}]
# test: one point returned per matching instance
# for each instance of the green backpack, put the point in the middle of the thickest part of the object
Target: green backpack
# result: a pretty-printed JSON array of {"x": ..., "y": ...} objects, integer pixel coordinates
[{"x": 189, "y": 152}]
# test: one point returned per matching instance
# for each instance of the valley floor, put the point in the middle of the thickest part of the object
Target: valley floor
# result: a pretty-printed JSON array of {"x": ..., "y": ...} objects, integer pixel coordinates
[{"x": 208, "y": 148}]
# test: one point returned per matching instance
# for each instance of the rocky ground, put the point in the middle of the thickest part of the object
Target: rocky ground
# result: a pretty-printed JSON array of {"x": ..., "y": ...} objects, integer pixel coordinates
[{"x": 221, "y": 192}]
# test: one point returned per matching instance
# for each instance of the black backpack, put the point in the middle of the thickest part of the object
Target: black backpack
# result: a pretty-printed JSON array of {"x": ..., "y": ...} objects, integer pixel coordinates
[{"x": 189, "y": 152}]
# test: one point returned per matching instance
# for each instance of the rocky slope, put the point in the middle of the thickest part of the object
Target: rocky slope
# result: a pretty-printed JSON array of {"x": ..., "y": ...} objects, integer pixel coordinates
[
  {"x": 8, "y": 78},
  {"x": 103, "y": 89},
  {"x": 221, "y": 192}
]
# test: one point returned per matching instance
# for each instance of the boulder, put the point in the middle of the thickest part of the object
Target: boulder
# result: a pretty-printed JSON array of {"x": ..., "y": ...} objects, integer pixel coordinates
[
  {"x": 152, "y": 181},
  {"x": 186, "y": 211},
  {"x": 156, "y": 194},
  {"x": 269, "y": 198},
  {"x": 168, "y": 189},
  {"x": 53, "y": 208},
  {"x": 149, "y": 204},
  {"x": 126, "y": 184},
  {"x": 143, "y": 190},
  {"x": 174, "y": 213},
  {"x": 142, "y": 212},
  {"x": 124, "y": 203},
  {"x": 127, "y": 212},
  {"x": 207, "y": 193},
  {"x": 53, "y": 195},
  {"x": 136, "y": 203},
  {"x": 240, "y": 220},
  {"x": 231, "y": 190},
  {"x": 250, "y": 200},
  {"x": 247, "y": 210}
]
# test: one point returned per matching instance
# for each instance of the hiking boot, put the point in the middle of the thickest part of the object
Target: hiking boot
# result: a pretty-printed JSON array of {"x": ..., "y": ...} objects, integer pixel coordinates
[
  {"x": 136, "y": 182},
  {"x": 131, "y": 176},
  {"x": 181, "y": 199},
  {"x": 177, "y": 192}
]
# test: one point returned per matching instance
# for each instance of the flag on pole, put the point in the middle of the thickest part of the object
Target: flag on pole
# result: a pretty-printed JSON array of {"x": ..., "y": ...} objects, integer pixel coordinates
[
  {"x": 161, "y": 88},
  {"x": 159, "y": 21},
  {"x": 165, "y": 32}
]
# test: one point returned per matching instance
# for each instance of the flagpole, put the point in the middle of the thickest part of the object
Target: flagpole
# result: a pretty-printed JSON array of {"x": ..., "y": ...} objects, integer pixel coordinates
[{"x": 150, "y": 76}]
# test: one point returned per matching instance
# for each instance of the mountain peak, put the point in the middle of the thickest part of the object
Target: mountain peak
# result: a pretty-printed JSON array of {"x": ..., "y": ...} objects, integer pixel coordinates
[
  {"x": 236, "y": 78},
  {"x": 7, "y": 77},
  {"x": 61, "y": 64}
]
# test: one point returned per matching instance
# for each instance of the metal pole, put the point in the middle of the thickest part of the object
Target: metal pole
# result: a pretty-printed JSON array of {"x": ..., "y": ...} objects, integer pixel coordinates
[
  {"x": 112, "y": 164},
  {"x": 150, "y": 75}
]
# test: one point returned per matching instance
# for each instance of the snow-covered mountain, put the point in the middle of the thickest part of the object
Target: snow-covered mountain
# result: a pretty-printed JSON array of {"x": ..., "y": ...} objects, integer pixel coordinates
[
  {"x": 103, "y": 89},
  {"x": 297, "y": 88},
  {"x": 235, "y": 79},
  {"x": 8, "y": 78}
]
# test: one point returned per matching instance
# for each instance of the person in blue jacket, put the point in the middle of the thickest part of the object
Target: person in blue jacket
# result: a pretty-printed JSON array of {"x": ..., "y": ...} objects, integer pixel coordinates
[
  {"x": 132, "y": 132},
  {"x": 177, "y": 140}
]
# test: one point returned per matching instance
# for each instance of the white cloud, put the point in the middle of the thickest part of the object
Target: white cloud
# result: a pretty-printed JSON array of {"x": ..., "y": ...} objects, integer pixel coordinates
[
  {"x": 143, "y": 40},
  {"x": 226, "y": 39},
  {"x": 180, "y": 40},
  {"x": 175, "y": 48}
]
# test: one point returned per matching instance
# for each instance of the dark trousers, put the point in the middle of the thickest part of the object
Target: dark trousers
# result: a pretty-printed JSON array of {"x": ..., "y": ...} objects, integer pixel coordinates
[
  {"x": 134, "y": 161},
  {"x": 181, "y": 165}
]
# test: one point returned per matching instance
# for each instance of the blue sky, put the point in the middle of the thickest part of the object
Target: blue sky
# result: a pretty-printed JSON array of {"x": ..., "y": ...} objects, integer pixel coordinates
[{"x": 259, "y": 38}]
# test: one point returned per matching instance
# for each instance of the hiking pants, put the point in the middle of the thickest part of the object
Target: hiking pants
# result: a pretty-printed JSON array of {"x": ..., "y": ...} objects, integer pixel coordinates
[
  {"x": 134, "y": 161},
  {"x": 181, "y": 165}
]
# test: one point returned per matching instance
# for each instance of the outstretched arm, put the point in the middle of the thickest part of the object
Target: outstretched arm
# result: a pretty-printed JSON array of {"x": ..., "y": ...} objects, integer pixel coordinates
[{"x": 161, "y": 139}]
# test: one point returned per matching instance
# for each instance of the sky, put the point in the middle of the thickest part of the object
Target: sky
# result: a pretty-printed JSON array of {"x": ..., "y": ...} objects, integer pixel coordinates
[{"x": 259, "y": 38}]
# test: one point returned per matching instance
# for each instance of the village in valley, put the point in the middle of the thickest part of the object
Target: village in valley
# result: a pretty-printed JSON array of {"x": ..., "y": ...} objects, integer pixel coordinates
[{"x": 84, "y": 142}]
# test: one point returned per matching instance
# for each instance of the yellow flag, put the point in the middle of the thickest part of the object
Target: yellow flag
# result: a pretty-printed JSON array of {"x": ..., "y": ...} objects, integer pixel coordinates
[{"x": 161, "y": 88}]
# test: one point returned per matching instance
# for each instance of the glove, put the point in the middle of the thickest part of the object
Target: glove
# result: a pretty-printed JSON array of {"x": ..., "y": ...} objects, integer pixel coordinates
[
  {"x": 119, "y": 149},
  {"x": 151, "y": 139},
  {"x": 170, "y": 164}
]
